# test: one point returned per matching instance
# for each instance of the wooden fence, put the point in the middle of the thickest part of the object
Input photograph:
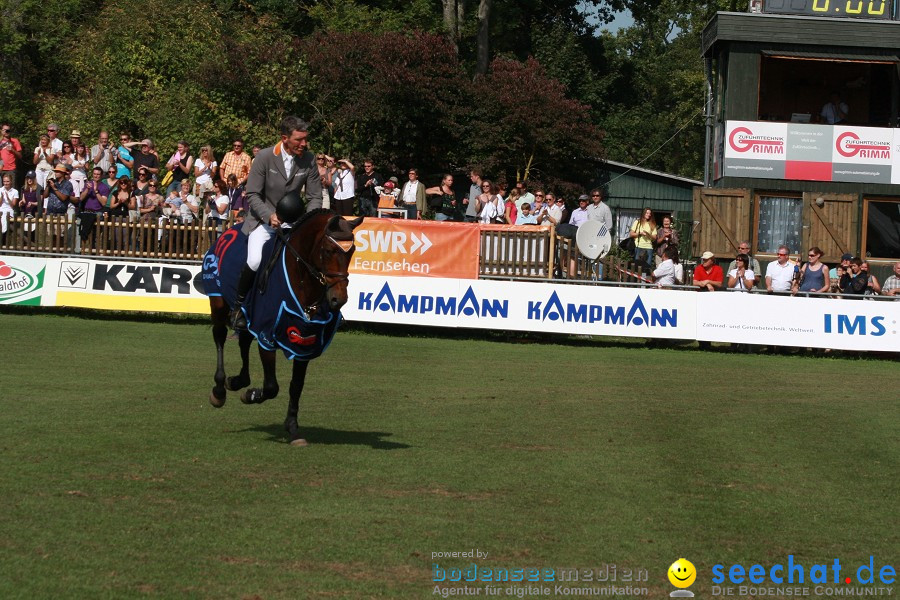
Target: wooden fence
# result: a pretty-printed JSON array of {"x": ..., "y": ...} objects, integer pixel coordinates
[{"x": 537, "y": 254}]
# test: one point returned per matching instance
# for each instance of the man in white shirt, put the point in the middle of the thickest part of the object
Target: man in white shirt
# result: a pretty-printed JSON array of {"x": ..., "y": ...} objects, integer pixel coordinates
[
  {"x": 780, "y": 273},
  {"x": 552, "y": 212}
]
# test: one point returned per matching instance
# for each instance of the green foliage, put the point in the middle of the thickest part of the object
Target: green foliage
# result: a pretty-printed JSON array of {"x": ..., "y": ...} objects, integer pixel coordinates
[{"x": 348, "y": 16}]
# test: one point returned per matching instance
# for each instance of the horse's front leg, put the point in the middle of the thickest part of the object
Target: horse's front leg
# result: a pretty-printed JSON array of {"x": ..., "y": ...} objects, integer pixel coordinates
[
  {"x": 270, "y": 382},
  {"x": 220, "y": 334},
  {"x": 242, "y": 379},
  {"x": 298, "y": 378}
]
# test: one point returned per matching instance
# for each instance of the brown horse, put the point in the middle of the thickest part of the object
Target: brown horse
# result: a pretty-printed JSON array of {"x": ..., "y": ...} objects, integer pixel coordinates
[{"x": 313, "y": 261}]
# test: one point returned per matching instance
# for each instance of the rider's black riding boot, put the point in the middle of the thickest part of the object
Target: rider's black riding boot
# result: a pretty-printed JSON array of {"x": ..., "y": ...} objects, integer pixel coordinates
[{"x": 236, "y": 319}]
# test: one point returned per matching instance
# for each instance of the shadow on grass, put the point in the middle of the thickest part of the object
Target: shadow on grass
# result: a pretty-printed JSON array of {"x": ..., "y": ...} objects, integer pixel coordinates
[{"x": 324, "y": 436}]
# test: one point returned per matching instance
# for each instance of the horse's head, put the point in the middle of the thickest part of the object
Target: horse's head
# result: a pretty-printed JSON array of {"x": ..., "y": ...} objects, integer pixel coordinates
[{"x": 332, "y": 257}]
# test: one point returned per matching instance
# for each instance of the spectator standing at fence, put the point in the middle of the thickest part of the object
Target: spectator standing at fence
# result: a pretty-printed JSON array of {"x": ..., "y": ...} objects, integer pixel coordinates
[
  {"x": 708, "y": 276},
  {"x": 44, "y": 156},
  {"x": 111, "y": 180},
  {"x": 537, "y": 207},
  {"x": 525, "y": 216},
  {"x": 147, "y": 158},
  {"x": 325, "y": 166},
  {"x": 814, "y": 275},
  {"x": 366, "y": 182},
  {"x": 470, "y": 201},
  {"x": 599, "y": 210},
  {"x": 9, "y": 201},
  {"x": 744, "y": 248},
  {"x": 524, "y": 195},
  {"x": 190, "y": 204},
  {"x": 181, "y": 164},
  {"x": 237, "y": 200},
  {"x": 343, "y": 187},
  {"x": 80, "y": 168},
  {"x": 855, "y": 281},
  {"x": 489, "y": 203},
  {"x": 874, "y": 287},
  {"x": 413, "y": 195},
  {"x": 741, "y": 277},
  {"x": 236, "y": 162},
  {"x": 57, "y": 196},
  {"x": 10, "y": 152},
  {"x": 581, "y": 214},
  {"x": 643, "y": 231},
  {"x": 891, "y": 285},
  {"x": 30, "y": 201},
  {"x": 123, "y": 157},
  {"x": 449, "y": 210},
  {"x": 511, "y": 213},
  {"x": 93, "y": 202},
  {"x": 205, "y": 170},
  {"x": 141, "y": 187},
  {"x": 665, "y": 273},
  {"x": 101, "y": 152},
  {"x": 844, "y": 264},
  {"x": 65, "y": 155},
  {"x": 55, "y": 141},
  {"x": 780, "y": 273},
  {"x": 666, "y": 236},
  {"x": 151, "y": 203},
  {"x": 552, "y": 212},
  {"x": 31, "y": 196}
]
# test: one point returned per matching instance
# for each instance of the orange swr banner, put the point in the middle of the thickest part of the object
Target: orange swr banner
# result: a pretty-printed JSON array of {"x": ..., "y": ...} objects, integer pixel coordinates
[{"x": 397, "y": 247}]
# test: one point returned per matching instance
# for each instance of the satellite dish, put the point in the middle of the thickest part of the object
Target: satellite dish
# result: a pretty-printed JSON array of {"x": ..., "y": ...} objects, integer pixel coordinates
[{"x": 593, "y": 239}]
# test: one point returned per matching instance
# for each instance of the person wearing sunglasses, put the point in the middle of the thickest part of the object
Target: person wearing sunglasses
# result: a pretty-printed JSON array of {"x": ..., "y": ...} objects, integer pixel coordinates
[{"x": 780, "y": 273}]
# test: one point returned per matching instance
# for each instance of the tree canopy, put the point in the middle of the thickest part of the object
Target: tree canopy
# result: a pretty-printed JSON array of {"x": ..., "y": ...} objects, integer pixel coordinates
[{"x": 520, "y": 88}]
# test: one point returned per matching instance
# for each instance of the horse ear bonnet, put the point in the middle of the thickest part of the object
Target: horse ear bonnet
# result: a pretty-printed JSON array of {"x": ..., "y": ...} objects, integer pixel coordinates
[{"x": 290, "y": 208}]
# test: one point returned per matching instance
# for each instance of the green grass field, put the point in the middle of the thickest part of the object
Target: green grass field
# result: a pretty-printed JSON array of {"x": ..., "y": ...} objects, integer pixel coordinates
[{"x": 121, "y": 481}]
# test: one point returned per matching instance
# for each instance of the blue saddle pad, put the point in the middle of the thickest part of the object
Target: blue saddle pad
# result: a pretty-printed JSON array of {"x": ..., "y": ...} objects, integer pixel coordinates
[{"x": 274, "y": 316}]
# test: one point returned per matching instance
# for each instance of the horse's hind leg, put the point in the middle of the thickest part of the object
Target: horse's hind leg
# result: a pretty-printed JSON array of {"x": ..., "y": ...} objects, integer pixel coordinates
[
  {"x": 242, "y": 379},
  {"x": 298, "y": 378},
  {"x": 270, "y": 382},
  {"x": 219, "y": 314}
]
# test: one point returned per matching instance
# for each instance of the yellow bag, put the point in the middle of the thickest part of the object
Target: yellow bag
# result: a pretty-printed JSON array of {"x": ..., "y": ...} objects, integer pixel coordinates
[{"x": 166, "y": 180}]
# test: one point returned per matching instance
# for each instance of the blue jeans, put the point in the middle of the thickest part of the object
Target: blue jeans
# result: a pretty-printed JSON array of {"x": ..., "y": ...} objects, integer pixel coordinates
[{"x": 645, "y": 254}]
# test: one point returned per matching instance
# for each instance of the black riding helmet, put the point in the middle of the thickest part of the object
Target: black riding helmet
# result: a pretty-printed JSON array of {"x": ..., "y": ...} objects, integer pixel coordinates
[{"x": 290, "y": 208}]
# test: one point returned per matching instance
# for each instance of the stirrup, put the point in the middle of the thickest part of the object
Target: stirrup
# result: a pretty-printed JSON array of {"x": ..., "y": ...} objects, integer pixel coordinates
[{"x": 237, "y": 320}]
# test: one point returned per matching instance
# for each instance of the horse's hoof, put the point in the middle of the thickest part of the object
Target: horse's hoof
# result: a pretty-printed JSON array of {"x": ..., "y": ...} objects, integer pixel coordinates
[
  {"x": 252, "y": 396},
  {"x": 299, "y": 443},
  {"x": 217, "y": 402}
]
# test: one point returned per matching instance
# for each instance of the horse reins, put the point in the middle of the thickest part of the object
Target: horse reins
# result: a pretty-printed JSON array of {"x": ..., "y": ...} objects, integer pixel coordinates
[{"x": 328, "y": 279}]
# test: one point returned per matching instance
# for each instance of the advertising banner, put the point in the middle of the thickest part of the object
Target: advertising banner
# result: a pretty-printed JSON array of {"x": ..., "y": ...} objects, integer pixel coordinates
[
  {"x": 22, "y": 280},
  {"x": 402, "y": 248},
  {"x": 486, "y": 304},
  {"x": 794, "y": 321},
  {"x": 862, "y": 154},
  {"x": 811, "y": 152},
  {"x": 755, "y": 149},
  {"x": 523, "y": 306},
  {"x": 132, "y": 286}
]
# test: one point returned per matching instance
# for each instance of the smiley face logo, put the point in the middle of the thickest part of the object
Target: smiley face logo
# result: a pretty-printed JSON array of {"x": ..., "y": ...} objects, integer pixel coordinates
[{"x": 682, "y": 573}]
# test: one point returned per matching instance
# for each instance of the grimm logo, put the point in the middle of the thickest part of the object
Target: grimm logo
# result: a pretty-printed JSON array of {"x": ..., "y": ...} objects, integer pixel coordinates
[
  {"x": 743, "y": 140},
  {"x": 149, "y": 280},
  {"x": 637, "y": 314},
  {"x": 73, "y": 274},
  {"x": 15, "y": 282},
  {"x": 848, "y": 144},
  {"x": 468, "y": 304}
]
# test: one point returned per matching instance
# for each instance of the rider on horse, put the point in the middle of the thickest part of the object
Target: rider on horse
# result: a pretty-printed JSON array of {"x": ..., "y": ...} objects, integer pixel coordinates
[{"x": 278, "y": 172}]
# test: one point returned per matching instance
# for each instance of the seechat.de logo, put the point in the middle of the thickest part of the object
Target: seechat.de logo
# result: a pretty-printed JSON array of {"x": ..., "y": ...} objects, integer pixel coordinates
[{"x": 795, "y": 572}]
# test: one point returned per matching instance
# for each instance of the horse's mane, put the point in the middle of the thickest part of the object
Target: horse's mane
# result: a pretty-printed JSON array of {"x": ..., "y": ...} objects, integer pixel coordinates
[{"x": 343, "y": 233}]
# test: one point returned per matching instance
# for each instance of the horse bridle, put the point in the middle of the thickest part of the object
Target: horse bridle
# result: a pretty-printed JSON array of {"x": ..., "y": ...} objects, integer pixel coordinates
[{"x": 327, "y": 279}]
